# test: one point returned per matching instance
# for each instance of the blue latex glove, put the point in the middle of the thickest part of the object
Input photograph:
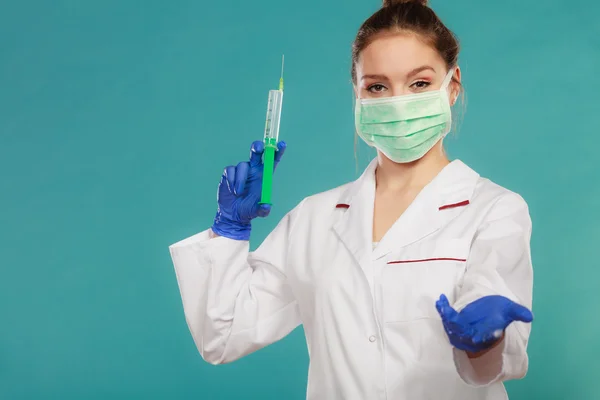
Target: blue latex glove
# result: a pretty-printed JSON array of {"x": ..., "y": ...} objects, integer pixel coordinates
[
  {"x": 239, "y": 193},
  {"x": 481, "y": 323}
]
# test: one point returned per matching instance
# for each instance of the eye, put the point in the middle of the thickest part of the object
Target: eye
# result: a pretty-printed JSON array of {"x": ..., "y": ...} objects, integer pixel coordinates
[
  {"x": 420, "y": 85},
  {"x": 376, "y": 88}
]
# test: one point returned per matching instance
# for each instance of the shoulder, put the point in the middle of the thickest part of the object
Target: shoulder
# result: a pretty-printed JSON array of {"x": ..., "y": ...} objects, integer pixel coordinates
[
  {"x": 318, "y": 206},
  {"x": 326, "y": 200},
  {"x": 488, "y": 200},
  {"x": 498, "y": 201}
]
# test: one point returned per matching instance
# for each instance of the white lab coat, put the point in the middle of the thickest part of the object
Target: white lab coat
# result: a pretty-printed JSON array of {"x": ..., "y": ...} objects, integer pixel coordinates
[{"x": 369, "y": 315}]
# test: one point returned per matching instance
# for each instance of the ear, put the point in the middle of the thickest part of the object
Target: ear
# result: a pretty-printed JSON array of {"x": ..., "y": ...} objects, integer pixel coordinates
[{"x": 455, "y": 87}]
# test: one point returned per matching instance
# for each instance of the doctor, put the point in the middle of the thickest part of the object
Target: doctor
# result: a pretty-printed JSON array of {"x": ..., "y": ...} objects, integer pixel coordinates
[{"x": 412, "y": 282}]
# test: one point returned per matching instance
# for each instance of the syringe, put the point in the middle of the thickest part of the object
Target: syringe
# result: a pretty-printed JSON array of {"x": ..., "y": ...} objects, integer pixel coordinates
[{"x": 271, "y": 138}]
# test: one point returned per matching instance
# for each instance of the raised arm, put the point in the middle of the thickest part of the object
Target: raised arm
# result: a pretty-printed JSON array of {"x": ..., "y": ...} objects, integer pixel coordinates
[{"x": 235, "y": 301}]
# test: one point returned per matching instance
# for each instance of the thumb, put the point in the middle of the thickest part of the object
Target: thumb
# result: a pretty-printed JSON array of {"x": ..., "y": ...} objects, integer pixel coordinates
[
  {"x": 281, "y": 146},
  {"x": 445, "y": 309},
  {"x": 263, "y": 210},
  {"x": 519, "y": 313}
]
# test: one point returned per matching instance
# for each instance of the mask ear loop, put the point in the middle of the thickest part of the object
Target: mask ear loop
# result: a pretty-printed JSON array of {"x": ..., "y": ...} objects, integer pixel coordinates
[
  {"x": 448, "y": 78},
  {"x": 444, "y": 88},
  {"x": 446, "y": 83}
]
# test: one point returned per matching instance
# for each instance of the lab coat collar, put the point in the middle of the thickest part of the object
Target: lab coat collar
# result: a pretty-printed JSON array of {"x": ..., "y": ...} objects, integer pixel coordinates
[{"x": 448, "y": 194}]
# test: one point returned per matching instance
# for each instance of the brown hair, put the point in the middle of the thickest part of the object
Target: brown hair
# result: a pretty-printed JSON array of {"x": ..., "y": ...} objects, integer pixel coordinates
[{"x": 407, "y": 16}]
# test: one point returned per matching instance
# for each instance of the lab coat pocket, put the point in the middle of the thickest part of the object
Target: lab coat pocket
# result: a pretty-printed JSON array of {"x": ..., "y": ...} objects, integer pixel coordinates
[{"x": 414, "y": 278}]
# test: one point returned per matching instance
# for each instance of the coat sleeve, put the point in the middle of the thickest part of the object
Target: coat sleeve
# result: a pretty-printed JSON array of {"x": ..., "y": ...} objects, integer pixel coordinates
[
  {"x": 499, "y": 264},
  {"x": 235, "y": 301}
]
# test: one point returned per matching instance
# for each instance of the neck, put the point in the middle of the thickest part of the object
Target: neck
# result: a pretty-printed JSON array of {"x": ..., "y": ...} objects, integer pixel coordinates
[{"x": 394, "y": 177}]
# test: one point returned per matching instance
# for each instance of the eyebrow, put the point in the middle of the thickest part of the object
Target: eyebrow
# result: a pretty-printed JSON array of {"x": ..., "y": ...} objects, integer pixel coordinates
[
  {"x": 419, "y": 69},
  {"x": 409, "y": 75}
]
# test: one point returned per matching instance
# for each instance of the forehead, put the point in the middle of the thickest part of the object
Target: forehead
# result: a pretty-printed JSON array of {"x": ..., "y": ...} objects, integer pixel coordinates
[{"x": 397, "y": 53}]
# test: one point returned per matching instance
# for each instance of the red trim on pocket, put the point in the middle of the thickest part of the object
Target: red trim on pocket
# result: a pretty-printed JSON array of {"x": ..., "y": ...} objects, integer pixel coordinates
[
  {"x": 427, "y": 259},
  {"x": 341, "y": 205},
  {"x": 459, "y": 204}
]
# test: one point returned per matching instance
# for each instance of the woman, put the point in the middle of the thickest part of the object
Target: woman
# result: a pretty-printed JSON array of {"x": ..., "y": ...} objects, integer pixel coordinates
[{"x": 413, "y": 282}]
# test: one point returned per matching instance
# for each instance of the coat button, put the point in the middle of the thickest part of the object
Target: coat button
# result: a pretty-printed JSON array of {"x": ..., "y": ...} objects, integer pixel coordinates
[{"x": 372, "y": 338}]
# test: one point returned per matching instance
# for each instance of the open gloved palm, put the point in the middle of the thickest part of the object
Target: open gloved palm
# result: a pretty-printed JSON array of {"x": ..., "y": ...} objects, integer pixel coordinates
[{"x": 480, "y": 324}]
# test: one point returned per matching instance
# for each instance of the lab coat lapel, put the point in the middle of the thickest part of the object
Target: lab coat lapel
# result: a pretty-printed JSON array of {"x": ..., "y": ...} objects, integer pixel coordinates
[
  {"x": 418, "y": 221},
  {"x": 355, "y": 226},
  {"x": 444, "y": 198},
  {"x": 437, "y": 204}
]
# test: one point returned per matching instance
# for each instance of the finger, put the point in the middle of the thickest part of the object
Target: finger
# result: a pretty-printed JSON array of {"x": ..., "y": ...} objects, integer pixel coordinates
[
  {"x": 442, "y": 301},
  {"x": 487, "y": 337},
  {"x": 519, "y": 313},
  {"x": 478, "y": 338},
  {"x": 492, "y": 336},
  {"x": 445, "y": 309},
  {"x": 497, "y": 334},
  {"x": 263, "y": 210},
  {"x": 229, "y": 175},
  {"x": 459, "y": 330},
  {"x": 440, "y": 306},
  {"x": 256, "y": 152},
  {"x": 241, "y": 174},
  {"x": 447, "y": 328},
  {"x": 281, "y": 146}
]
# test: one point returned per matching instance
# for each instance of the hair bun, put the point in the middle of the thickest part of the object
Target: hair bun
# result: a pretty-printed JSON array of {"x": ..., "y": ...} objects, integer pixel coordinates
[{"x": 389, "y": 3}]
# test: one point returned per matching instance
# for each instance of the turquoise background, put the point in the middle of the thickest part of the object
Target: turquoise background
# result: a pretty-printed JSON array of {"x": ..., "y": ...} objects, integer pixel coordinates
[{"x": 117, "y": 117}]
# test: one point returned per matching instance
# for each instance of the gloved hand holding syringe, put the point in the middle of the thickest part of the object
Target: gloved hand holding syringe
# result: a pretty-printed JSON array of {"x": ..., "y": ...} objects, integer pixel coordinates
[{"x": 245, "y": 190}]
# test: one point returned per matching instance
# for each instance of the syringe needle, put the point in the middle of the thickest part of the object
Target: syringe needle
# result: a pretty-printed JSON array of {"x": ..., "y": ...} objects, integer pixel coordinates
[{"x": 281, "y": 78}]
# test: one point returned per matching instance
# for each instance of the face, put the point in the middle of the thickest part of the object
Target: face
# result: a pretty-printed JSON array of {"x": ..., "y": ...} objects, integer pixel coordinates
[{"x": 400, "y": 64}]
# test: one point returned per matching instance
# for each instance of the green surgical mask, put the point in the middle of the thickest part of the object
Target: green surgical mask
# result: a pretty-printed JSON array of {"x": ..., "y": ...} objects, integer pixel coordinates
[{"x": 405, "y": 128}]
